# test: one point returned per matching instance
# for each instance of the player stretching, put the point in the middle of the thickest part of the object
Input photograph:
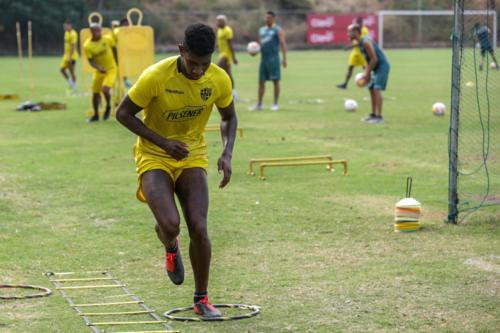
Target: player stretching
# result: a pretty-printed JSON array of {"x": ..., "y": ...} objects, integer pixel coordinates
[
  {"x": 177, "y": 96},
  {"x": 70, "y": 56},
  {"x": 227, "y": 56},
  {"x": 101, "y": 52},
  {"x": 377, "y": 63},
  {"x": 355, "y": 58},
  {"x": 481, "y": 34}
]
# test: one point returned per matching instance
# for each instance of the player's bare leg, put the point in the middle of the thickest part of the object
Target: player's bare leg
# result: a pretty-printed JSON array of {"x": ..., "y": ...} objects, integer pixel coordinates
[
  {"x": 276, "y": 95},
  {"x": 158, "y": 189},
  {"x": 260, "y": 96},
  {"x": 192, "y": 190},
  {"x": 347, "y": 78},
  {"x": 96, "y": 101},
  {"x": 107, "y": 95}
]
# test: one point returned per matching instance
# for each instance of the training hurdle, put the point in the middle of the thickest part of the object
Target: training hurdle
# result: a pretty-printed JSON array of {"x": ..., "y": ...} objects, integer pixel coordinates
[
  {"x": 216, "y": 128},
  {"x": 294, "y": 161},
  {"x": 108, "y": 281}
]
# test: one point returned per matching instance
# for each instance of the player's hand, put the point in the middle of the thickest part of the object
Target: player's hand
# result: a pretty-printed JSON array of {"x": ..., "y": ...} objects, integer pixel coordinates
[
  {"x": 177, "y": 149},
  {"x": 368, "y": 77},
  {"x": 224, "y": 166},
  {"x": 101, "y": 70},
  {"x": 284, "y": 63}
]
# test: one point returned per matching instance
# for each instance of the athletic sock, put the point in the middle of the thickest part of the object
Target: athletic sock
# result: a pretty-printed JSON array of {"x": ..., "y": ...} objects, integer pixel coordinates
[
  {"x": 172, "y": 249},
  {"x": 199, "y": 296}
]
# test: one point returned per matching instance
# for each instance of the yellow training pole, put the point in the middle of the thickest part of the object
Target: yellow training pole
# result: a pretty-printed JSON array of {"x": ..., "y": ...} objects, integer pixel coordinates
[
  {"x": 19, "y": 51},
  {"x": 30, "y": 55}
]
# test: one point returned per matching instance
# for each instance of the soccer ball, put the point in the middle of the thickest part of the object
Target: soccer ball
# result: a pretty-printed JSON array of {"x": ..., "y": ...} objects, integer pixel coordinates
[
  {"x": 438, "y": 109},
  {"x": 360, "y": 79},
  {"x": 253, "y": 48},
  {"x": 493, "y": 65},
  {"x": 350, "y": 105}
]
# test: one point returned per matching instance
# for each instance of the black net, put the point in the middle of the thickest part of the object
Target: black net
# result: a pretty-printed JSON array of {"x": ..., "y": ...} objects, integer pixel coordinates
[{"x": 478, "y": 150}]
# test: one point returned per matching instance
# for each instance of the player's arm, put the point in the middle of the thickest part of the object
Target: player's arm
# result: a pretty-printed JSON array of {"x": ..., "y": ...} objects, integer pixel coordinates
[
  {"x": 281, "y": 36},
  {"x": 115, "y": 54},
  {"x": 72, "y": 50},
  {"x": 126, "y": 115},
  {"x": 228, "y": 126},
  {"x": 93, "y": 64},
  {"x": 373, "y": 59}
]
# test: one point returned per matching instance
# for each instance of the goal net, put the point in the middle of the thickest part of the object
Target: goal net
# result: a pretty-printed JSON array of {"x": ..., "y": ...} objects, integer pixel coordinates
[
  {"x": 474, "y": 147},
  {"x": 425, "y": 28}
]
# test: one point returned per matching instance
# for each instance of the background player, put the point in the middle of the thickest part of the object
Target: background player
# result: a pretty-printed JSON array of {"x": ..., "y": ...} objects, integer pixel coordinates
[
  {"x": 271, "y": 39},
  {"x": 101, "y": 53},
  {"x": 227, "y": 56},
  {"x": 70, "y": 56},
  {"x": 377, "y": 63},
  {"x": 355, "y": 58},
  {"x": 481, "y": 34}
]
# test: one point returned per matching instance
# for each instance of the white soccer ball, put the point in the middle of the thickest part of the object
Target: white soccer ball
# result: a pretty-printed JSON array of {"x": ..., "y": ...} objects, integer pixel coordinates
[
  {"x": 350, "y": 105},
  {"x": 438, "y": 109},
  {"x": 360, "y": 79},
  {"x": 493, "y": 65},
  {"x": 253, "y": 48}
]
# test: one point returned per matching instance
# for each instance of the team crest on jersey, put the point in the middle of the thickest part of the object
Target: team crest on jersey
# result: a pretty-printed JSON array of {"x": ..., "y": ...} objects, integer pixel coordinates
[{"x": 205, "y": 93}]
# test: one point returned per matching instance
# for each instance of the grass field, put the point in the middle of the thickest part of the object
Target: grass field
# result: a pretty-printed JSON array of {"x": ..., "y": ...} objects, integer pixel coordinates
[{"x": 315, "y": 250}]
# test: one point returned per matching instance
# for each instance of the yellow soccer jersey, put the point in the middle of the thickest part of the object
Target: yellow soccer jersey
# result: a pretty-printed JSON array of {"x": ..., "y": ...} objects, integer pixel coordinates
[
  {"x": 70, "y": 38},
  {"x": 176, "y": 107},
  {"x": 224, "y": 35},
  {"x": 101, "y": 51},
  {"x": 364, "y": 31},
  {"x": 114, "y": 35}
]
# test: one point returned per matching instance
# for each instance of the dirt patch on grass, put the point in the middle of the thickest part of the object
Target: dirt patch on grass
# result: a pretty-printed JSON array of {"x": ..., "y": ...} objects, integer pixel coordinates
[{"x": 490, "y": 263}]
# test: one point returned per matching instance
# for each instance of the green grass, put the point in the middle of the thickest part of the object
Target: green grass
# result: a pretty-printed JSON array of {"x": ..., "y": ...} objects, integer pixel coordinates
[{"x": 316, "y": 251}]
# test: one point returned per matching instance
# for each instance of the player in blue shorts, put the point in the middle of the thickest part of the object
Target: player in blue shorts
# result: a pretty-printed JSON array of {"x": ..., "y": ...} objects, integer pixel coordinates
[
  {"x": 481, "y": 35},
  {"x": 376, "y": 71},
  {"x": 271, "y": 40}
]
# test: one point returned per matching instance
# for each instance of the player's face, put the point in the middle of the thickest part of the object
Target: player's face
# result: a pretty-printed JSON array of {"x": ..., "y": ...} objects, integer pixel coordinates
[
  {"x": 353, "y": 34},
  {"x": 67, "y": 26},
  {"x": 194, "y": 66},
  {"x": 221, "y": 23},
  {"x": 96, "y": 32},
  {"x": 269, "y": 19}
]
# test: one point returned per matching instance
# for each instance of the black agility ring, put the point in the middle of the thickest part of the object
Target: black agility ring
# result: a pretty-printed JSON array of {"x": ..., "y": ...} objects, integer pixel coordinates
[
  {"x": 45, "y": 291},
  {"x": 255, "y": 310}
]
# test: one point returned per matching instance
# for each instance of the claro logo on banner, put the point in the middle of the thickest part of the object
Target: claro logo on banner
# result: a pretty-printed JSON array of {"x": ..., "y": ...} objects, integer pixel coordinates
[{"x": 331, "y": 29}]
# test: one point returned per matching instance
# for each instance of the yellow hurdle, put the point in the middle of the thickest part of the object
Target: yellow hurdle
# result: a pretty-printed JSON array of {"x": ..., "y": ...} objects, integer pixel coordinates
[
  {"x": 301, "y": 163},
  {"x": 319, "y": 158}
]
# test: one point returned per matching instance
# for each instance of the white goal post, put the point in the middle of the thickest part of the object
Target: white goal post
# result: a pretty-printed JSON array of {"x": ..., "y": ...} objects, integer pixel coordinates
[{"x": 384, "y": 13}]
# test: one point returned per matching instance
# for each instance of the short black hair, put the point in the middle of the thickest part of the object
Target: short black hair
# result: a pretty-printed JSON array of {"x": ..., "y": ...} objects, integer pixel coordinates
[
  {"x": 124, "y": 21},
  {"x": 270, "y": 12},
  {"x": 199, "y": 39},
  {"x": 67, "y": 21}
]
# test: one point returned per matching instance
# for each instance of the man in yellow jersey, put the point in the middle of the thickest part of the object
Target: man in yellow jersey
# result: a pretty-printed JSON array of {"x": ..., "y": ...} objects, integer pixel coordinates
[
  {"x": 101, "y": 53},
  {"x": 70, "y": 56},
  {"x": 227, "y": 56},
  {"x": 115, "y": 28},
  {"x": 356, "y": 58},
  {"x": 177, "y": 96}
]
